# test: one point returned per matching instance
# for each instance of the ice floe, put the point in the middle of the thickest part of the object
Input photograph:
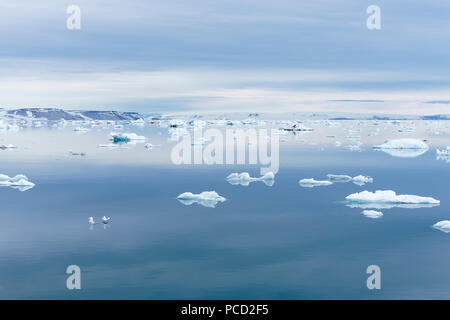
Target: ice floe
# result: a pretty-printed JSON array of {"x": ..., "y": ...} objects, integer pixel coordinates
[
  {"x": 358, "y": 180},
  {"x": 91, "y": 221},
  {"x": 206, "y": 198},
  {"x": 244, "y": 179},
  {"x": 19, "y": 182},
  {"x": 388, "y": 199},
  {"x": 310, "y": 183},
  {"x": 443, "y": 154},
  {"x": 372, "y": 214},
  {"x": 443, "y": 226},
  {"x": 151, "y": 146},
  {"x": 361, "y": 180},
  {"x": 403, "y": 148},
  {"x": 105, "y": 219},
  {"x": 7, "y": 146},
  {"x": 125, "y": 137}
]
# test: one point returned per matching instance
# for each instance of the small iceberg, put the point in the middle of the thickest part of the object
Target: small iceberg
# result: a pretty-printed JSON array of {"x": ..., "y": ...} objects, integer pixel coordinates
[
  {"x": 388, "y": 199},
  {"x": 7, "y": 146},
  {"x": 206, "y": 198},
  {"x": 372, "y": 214},
  {"x": 358, "y": 180},
  {"x": 403, "y": 148},
  {"x": 82, "y": 154},
  {"x": 125, "y": 137},
  {"x": 443, "y": 226},
  {"x": 311, "y": 183},
  {"x": 105, "y": 219},
  {"x": 244, "y": 179},
  {"x": 151, "y": 146},
  {"x": 443, "y": 154},
  {"x": 19, "y": 182},
  {"x": 362, "y": 180},
  {"x": 108, "y": 145},
  {"x": 339, "y": 178}
]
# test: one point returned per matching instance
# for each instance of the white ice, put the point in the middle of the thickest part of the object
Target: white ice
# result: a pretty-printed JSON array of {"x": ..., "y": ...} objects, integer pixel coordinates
[
  {"x": 125, "y": 137},
  {"x": 206, "y": 198},
  {"x": 443, "y": 226},
  {"x": 403, "y": 148},
  {"x": 151, "y": 146},
  {"x": 244, "y": 179},
  {"x": 105, "y": 219},
  {"x": 8, "y": 146},
  {"x": 443, "y": 154},
  {"x": 388, "y": 199},
  {"x": 310, "y": 183},
  {"x": 19, "y": 182},
  {"x": 339, "y": 178},
  {"x": 372, "y": 214},
  {"x": 358, "y": 180},
  {"x": 361, "y": 180}
]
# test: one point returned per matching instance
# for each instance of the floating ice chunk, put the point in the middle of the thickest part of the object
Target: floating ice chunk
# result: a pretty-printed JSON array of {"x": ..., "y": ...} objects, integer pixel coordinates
[
  {"x": 19, "y": 182},
  {"x": 372, "y": 214},
  {"x": 105, "y": 219},
  {"x": 403, "y": 144},
  {"x": 297, "y": 127},
  {"x": 82, "y": 154},
  {"x": 81, "y": 129},
  {"x": 91, "y": 220},
  {"x": 443, "y": 226},
  {"x": 151, "y": 146},
  {"x": 244, "y": 179},
  {"x": 206, "y": 198},
  {"x": 310, "y": 183},
  {"x": 339, "y": 178},
  {"x": 361, "y": 180},
  {"x": 403, "y": 148},
  {"x": 443, "y": 154},
  {"x": 7, "y": 146},
  {"x": 388, "y": 199},
  {"x": 109, "y": 146},
  {"x": 125, "y": 137}
]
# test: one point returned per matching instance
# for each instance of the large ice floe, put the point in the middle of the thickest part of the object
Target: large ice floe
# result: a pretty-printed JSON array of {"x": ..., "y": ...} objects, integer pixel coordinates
[
  {"x": 19, "y": 182},
  {"x": 443, "y": 226},
  {"x": 403, "y": 148},
  {"x": 311, "y": 183},
  {"x": 206, "y": 198},
  {"x": 359, "y": 180},
  {"x": 244, "y": 179},
  {"x": 125, "y": 137},
  {"x": 388, "y": 199},
  {"x": 372, "y": 214}
]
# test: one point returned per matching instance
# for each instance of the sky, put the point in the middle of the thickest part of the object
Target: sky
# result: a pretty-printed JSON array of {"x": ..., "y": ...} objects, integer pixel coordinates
[{"x": 226, "y": 56}]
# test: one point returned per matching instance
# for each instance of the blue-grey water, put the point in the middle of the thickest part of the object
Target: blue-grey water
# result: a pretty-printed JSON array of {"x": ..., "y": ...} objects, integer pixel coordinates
[{"x": 279, "y": 242}]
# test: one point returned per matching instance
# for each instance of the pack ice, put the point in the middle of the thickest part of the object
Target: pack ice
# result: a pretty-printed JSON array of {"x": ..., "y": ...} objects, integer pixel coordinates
[
  {"x": 443, "y": 226},
  {"x": 244, "y": 178},
  {"x": 388, "y": 199},
  {"x": 206, "y": 198},
  {"x": 19, "y": 181},
  {"x": 403, "y": 148}
]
